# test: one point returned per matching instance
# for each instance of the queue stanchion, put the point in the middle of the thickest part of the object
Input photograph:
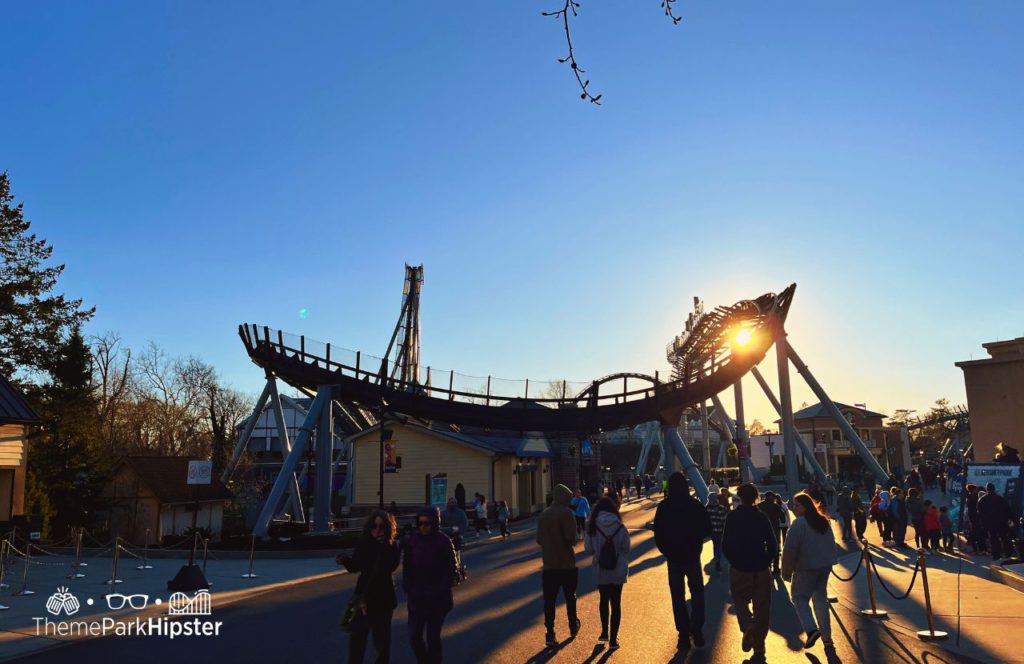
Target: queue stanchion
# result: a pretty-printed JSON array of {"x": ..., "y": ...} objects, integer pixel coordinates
[
  {"x": 25, "y": 592},
  {"x": 874, "y": 611},
  {"x": 252, "y": 552},
  {"x": 76, "y": 567},
  {"x": 113, "y": 580},
  {"x": 3, "y": 569},
  {"x": 930, "y": 634},
  {"x": 145, "y": 553},
  {"x": 206, "y": 555}
]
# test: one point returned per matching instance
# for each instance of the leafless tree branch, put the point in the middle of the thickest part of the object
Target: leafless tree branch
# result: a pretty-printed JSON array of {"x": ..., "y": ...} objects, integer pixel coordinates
[{"x": 563, "y": 13}]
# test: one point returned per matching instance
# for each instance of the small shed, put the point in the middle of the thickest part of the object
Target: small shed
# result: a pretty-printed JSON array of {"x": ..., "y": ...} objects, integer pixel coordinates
[{"x": 150, "y": 500}]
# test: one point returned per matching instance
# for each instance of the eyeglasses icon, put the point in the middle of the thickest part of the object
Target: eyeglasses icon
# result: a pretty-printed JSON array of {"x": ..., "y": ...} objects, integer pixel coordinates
[{"x": 117, "y": 601}]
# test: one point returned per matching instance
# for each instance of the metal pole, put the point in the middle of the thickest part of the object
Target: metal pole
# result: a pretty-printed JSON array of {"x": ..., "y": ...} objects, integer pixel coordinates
[
  {"x": 788, "y": 429},
  {"x": 929, "y": 634},
  {"x": 675, "y": 443},
  {"x": 76, "y": 566},
  {"x": 113, "y": 570},
  {"x": 252, "y": 553},
  {"x": 145, "y": 553},
  {"x": 380, "y": 493},
  {"x": 24, "y": 592},
  {"x": 3, "y": 562},
  {"x": 206, "y": 553},
  {"x": 243, "y": 440},
  {"x": 705, "y": 435},
  {"x": 874, "y": 611}
]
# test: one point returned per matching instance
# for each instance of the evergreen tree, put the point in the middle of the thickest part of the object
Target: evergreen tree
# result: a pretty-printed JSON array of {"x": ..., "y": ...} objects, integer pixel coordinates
[
  {"x": 33, "y": 320},
  {"x": 66, "y": 460}
]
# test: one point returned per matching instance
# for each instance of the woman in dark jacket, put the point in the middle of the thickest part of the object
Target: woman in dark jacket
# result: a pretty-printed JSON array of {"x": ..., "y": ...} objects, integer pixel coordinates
[
  {"x": 375, "y": 558},
  {"x": 428, "y": 572}
]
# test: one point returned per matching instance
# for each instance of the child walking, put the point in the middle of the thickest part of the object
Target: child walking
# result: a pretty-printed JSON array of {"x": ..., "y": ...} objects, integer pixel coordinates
[{"x": 607, "y": 539}]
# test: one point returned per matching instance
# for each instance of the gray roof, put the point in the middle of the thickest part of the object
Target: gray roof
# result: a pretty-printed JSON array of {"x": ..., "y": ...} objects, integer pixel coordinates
[
  {"x": 513, "y": 444},
  {"x": 818, "y": 410},
  {"x": 13, "y": 407}
]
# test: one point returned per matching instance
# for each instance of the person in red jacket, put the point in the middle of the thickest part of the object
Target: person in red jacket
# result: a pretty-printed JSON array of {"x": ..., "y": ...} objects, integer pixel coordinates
[{"x": 932, "y": 526}]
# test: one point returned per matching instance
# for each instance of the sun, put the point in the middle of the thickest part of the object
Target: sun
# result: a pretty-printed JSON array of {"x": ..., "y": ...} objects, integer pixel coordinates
[{"x": 743, "y": 337}]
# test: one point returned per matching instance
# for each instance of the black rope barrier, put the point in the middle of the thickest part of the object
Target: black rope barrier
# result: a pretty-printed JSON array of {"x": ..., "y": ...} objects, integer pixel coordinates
[
  {"x": 860, "y": 561},
  {"x": 917, "y": 568}
]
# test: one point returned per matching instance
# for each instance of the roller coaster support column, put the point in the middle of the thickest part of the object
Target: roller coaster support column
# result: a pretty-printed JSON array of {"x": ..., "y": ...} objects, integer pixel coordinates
[
  {"x": 734, "y": 436},
  {"x": 819, "y": 472},
  {"x": 243, "y": 440},
  {"x": 295, "y": 494},
  {"x": 675, "y": 443},
  {"x": 323, "y": 396},
  {"x": 866, "y": 456},
  {"x": 742, "y": 441},
  {"x": 706, "y": 433},
  {"x": 324, "y": 467},
  {"x": 786, "y": 412}
]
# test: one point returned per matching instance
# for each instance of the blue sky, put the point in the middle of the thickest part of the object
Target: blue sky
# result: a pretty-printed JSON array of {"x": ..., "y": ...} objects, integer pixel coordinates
[{"x": 198, "y": 165}]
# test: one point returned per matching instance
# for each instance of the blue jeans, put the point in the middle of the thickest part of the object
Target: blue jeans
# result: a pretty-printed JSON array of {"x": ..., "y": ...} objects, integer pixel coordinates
[
  {"x": 431, "y": 620},
  {"x": 683, "y": 573},
  {"x": 811, "y": 587}
]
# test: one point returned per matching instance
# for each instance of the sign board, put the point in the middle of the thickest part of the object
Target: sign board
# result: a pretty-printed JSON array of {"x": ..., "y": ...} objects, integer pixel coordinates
[
  {"x": 200, "y": 472},
  {"x": 1005, "y": 477},
  {"x": 586, "y": 448},
  {"x": 391, "y": 456},
  {"x": 438, "y": 491},
  {"x": 821, "y": 447}
]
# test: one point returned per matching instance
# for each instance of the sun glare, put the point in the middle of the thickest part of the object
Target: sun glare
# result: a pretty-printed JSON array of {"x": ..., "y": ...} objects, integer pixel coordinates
[{"x": 743, "y": 337}]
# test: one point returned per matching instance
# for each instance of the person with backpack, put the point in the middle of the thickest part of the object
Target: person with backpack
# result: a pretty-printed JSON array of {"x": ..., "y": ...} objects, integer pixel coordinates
[
  {"x": 608, "y": 540},
  {"x": 807, "y": 560},
  {"x": 749, "y": 545},
  {"x": 681, "y": 524},
  {"x": 556, "y": 535}
]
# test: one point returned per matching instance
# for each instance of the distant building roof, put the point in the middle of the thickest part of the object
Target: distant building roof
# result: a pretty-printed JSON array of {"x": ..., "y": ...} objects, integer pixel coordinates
[
  {"x": 818, "y": 410},
  {"x": 526, "y": 445},
  {"x": 166, "y": 477},
  {"x": 13, "y": 407}
]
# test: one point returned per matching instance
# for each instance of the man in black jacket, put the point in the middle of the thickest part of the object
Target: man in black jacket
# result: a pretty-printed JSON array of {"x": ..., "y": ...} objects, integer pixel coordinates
[
  {"x": 749, "y": 545},
  {"x": 681, "y": 525},
  {"x": 996, "y": 514}
]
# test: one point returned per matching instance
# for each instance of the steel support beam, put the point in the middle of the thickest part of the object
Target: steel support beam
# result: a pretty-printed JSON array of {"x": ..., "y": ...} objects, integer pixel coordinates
[
  {"x": 250, "y": 424},
  {"x": 706, "y": 436},
  {"x": 741, "y": 434},
  {"x": 290, "y": 462},
  {"x": 294, "y": 493},
  {"x": 675, "y": 443},
  {"x": 862, "y": 450},
  {"x": 819, "y": 472},
  {"x": 789, "y": 433},
  {"x": 324, "y": 468}
]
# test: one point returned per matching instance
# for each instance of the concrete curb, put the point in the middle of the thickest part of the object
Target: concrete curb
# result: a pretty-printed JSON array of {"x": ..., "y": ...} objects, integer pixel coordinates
[{"x": 1006, "y": 577}]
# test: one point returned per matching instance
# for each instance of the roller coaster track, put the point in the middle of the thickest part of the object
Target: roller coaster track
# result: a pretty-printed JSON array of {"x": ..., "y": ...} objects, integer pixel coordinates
[{"x": 706, "y": 359}]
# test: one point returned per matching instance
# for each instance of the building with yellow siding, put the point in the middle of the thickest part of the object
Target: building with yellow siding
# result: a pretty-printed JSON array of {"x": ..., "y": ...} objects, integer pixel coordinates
[
  {"x": 505, "y": 466},
  {"x": 16, "y": 418}
]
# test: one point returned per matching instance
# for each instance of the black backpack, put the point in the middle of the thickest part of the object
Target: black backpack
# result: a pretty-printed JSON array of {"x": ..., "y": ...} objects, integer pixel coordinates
[{"x": 608, "y": 558}]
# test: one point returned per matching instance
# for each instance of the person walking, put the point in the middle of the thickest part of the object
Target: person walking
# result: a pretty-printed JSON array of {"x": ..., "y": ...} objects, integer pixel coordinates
[
  {"x": 915, "y": 512},
  {"x": 639, "y": 486},
  {"x": 771, "y": 510},
  {"x": 375, "y": 558},
  {"x": 898, "y": 517},
  {"x": 428, "y": 573},
  {"x": 556, "y": 535},
  {"x": 946, "y": 525},
  {"x": 845, "y": 510},
  {"x": 860, "y": 518},
  {"x": 932, "y": 526},
  {"x": 996, "y": 516},
  {"x": 608, "y": 540},
  {"x": 717, "y": 514},
  {"x": 480, "y": 504},
  {"x": 749, "y": 545},
  {"x": 681, "y": 524},
  {"x": 581, "y": 510},
  {"x": 807, "y": 559},
  {"x": 785, "y": 522},
  {"x": 502, "y": 515}
]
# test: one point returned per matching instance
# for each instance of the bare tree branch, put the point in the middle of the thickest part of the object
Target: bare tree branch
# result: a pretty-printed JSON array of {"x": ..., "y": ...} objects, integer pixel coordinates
[
  {"x": 667, "y": 6},
  {"x": 573, "y": 6}
]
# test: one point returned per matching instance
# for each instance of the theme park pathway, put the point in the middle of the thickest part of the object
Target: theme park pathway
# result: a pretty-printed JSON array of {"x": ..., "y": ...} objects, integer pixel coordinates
[{"x": 498, "y": 617}]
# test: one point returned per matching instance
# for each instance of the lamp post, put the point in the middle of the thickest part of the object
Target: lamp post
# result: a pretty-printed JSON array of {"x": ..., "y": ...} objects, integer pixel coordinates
[{"x": 384, "y": 435}]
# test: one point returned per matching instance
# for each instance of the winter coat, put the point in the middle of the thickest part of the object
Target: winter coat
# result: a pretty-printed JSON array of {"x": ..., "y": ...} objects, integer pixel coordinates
[
  {"x": 806, "y": 549},
  {"x": 994, "y": 511},
  {"x": 375, "y": 561},
  {"x": 609, "y": 527},
  {"x": 931, "y": 519},
  {"x": 898, "y": 510},
  {"x": 681, "y": 523},
  {"x": 428, "y": 567},
  {"x": 502, "y": 514},
  {"x": 748, "y": 541},
  {"x": 580, "y": 507},
  {"x": 773, "y": 512},
  {"x": 556, "y": 531},
  {"x": 915, "y": 508}
]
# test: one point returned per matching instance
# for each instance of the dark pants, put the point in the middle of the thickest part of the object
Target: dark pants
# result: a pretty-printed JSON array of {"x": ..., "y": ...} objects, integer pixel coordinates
[
  {"x": 933, "y": 538},
  {"x": 378, "y": 623},
  {"x": 504, "y": 529},
  {"x": 920, "y": 534},
  {"x": 847, "y": 526},
  {"x": 430, "y": 620},
  {"x": 1000, "y": 540},
  {"x": 611, "y": 598},
  {"x": 581, "y": 523},
  {"x": 716, "y": 545},
  {"x": 752, "y": 588},
  {"x": 861, "y": 521},
  {"x": 553, "y": 580},
  {"x": 682, "y": 573},
  {"x": 947, "y": 540}
]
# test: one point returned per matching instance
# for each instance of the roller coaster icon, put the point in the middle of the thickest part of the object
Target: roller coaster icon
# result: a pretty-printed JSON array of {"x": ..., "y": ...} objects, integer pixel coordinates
[{"x": 180, "y": 604}]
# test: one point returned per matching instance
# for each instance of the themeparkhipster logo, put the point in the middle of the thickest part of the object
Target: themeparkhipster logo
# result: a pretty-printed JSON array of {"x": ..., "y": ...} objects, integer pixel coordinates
[{"x": 172, "y": 625}]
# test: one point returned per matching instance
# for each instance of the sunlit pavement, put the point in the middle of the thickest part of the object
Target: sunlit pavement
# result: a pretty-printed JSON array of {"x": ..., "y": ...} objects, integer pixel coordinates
[{"x": 498, "y": 618}]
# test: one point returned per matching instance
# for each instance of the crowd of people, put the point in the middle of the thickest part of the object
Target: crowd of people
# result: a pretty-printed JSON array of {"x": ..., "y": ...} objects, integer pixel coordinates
[{"x": 758, "y": 536}]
